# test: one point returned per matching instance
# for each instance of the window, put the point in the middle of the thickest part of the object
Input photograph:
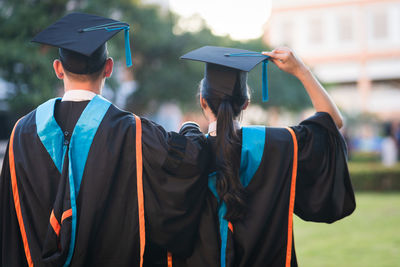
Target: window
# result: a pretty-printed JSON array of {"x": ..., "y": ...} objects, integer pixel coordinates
[
  {"x": 315, "y": 31},
  {"x": 345, "y": 28},
  {"x": 380, "y": 25}
]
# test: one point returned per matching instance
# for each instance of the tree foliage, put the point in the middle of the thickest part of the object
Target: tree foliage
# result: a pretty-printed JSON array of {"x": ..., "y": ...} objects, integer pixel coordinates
[
  {"x": 23, "y": 64},
  {"x": 160, "y": 75}
]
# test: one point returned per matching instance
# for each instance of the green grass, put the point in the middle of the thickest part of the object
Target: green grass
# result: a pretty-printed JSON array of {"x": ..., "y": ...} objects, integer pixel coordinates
[
  {"x": 372, "y": 167},
  {"x": 368, "y": 237}
]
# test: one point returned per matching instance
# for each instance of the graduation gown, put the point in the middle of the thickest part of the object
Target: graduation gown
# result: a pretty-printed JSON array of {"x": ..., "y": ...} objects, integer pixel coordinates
[
  {"x": 86, "y": 184},
  {"x": 301, "y": 170}
]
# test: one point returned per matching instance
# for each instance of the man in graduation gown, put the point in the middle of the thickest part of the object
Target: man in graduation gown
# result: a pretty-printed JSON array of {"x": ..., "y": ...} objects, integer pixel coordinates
[{"x": 84, "y": 183}]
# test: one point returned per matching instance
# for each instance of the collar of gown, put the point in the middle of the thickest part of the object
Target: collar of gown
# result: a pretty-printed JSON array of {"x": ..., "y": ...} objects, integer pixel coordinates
[
  {"x": 78, "y": 95},
  {"x": 212, "y": 127}
]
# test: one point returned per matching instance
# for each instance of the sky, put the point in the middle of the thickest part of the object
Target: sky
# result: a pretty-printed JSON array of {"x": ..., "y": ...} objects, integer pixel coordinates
[{"x": 238, "y": 18}]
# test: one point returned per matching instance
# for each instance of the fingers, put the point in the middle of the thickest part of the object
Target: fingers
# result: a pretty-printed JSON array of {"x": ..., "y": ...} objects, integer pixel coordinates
[
  {"x": 282, "y": 57},
  {"x": 278, "y": 63},
  {"x": 273, "y": 56},
  {"x": 282, "y": 50},
  {"x": 281, "y": 54}
]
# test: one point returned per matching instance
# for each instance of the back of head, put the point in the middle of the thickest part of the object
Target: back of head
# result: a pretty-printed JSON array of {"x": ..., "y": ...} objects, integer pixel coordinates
[
  {"x": 81, "y": 67},
  {"x": 214, "y": 95},
  {"x": 226, "y": 108},
  {"x": 81, "y": 39}
]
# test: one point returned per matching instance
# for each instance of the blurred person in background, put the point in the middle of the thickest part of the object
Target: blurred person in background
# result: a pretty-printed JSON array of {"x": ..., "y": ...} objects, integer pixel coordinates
[
  {"x": 86, "y": 184},
  {"x": 346, "y": 135},
  {"x": 389, "y": 149},
  {"x": 397, "y": 136},
  {"x": 260, "y": 175}
]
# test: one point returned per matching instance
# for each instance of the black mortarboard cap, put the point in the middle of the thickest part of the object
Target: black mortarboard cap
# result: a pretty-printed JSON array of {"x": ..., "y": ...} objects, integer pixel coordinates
[
  {"x": 222, "y": 65},
  {"x": 84, "y": 34}
]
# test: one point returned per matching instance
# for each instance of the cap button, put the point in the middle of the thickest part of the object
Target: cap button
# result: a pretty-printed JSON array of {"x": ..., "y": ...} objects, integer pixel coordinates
[{"x": 66, "y": 142}]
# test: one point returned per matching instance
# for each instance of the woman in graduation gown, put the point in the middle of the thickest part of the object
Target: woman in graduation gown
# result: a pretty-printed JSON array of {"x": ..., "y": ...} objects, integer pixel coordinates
[{"x": 261, "y": 175}]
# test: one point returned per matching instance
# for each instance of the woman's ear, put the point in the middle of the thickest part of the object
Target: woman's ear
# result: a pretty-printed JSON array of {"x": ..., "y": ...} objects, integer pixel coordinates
[
  {"x": 246, "y": 104},
  {"x": 203, "y": 103},
  {"x": 58, "y": 69}
]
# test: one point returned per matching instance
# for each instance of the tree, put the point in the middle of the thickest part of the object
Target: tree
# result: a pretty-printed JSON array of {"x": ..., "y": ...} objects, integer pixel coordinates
[
  {"x": 21, "y": 63},
  {"x": 160, "y": 76}
]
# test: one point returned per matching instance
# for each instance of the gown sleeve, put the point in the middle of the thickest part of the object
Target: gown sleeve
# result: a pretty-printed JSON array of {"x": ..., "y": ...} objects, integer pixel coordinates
[
  {"x": 175, "y": 184},
  {"x": 323, "y": 188},
  {"x": 10, "y": 236}
]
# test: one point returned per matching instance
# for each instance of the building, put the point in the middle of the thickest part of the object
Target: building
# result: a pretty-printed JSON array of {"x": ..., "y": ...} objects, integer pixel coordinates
[{"x": 352, "y": 45}]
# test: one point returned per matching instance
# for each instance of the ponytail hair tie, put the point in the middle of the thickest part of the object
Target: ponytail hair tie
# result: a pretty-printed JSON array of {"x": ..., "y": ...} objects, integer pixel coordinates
[{"x": 228, "y": 98}]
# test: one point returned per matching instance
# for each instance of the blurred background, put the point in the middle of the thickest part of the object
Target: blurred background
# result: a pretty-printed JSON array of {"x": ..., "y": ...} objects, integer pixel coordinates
[{"x": 352, "y": 46}]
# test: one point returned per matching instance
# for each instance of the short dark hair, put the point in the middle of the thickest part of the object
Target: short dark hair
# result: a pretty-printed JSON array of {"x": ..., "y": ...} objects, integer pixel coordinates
[
  {"x": 78, "y": 63},
  {"x": 85, "y": 77}
]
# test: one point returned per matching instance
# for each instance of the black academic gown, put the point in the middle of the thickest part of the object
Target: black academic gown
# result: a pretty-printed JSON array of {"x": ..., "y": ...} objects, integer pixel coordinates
[
  {"x": 43, "y": 224},
  {"x": 302, "y": 169}
]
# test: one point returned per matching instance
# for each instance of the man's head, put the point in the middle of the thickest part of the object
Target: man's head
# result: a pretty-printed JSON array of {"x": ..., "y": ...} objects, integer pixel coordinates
[
  {"x": 78, "y": 68},
  {"x": 92, "y": 82},
  {"x": 81, "y": 39}
]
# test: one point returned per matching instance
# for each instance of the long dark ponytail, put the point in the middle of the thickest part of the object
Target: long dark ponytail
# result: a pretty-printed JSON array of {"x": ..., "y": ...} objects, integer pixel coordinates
[{"x": 226, "y": 108}]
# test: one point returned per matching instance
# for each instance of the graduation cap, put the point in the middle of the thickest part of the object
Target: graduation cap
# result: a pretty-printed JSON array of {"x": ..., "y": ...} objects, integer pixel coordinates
[
  {"x": 81, "y": 38},
  {"x": 223, "y": 64}
]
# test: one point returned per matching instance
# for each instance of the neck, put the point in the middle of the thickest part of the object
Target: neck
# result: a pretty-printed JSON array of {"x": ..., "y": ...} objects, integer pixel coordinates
[
  {"x": 211, "y": 120},
  {"x": 92, "y": 86},
  {"x": 209, "y": 115},
  {"x": 212, "y": 127}
]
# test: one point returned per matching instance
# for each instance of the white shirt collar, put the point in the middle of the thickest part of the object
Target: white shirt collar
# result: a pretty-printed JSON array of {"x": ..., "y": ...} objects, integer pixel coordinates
[
  {"x": 78, "y": 95},
  {"x": 212, "y": 127}
]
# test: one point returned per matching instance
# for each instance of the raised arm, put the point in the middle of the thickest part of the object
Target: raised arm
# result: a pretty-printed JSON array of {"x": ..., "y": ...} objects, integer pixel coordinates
[{"x": 289, "y": 62}]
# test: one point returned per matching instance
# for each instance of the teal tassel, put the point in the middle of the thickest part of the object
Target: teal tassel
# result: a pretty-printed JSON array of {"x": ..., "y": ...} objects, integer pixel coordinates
[
  {"x": 264, "y": 70},
  {"x": 128, "y": 55},
  {"x": 264, "y": 81},
  {"x": 115, "y": 26}
]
